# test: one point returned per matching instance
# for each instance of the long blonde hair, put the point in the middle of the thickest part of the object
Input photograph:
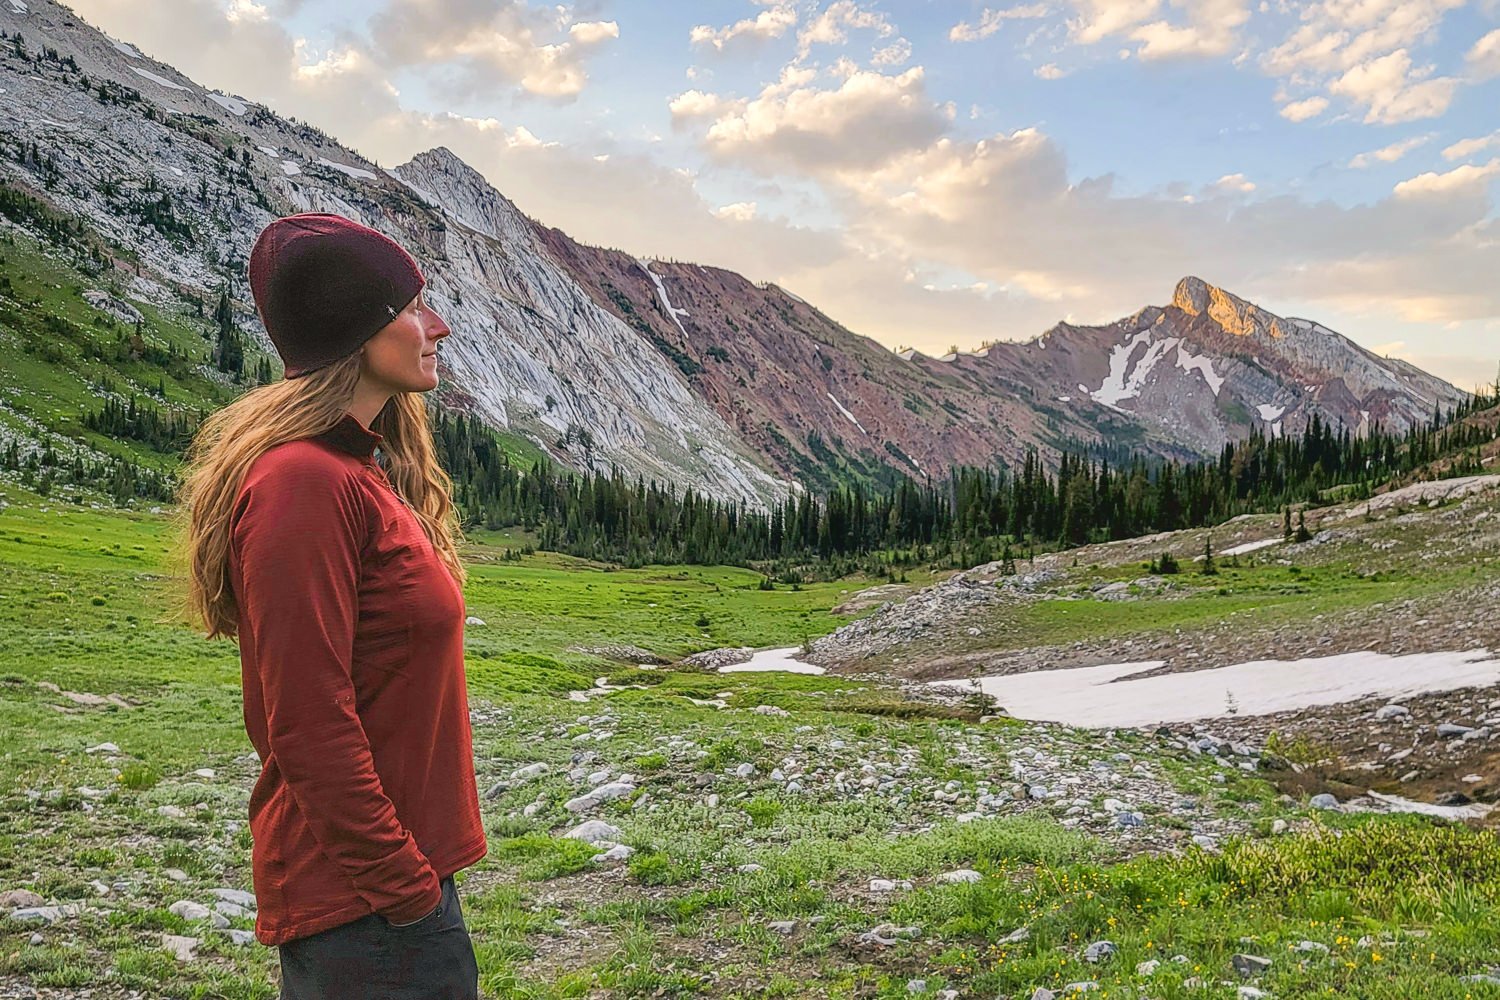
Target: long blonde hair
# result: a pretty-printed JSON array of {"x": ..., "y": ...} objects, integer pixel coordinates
[{"x": 232, "y": 438}]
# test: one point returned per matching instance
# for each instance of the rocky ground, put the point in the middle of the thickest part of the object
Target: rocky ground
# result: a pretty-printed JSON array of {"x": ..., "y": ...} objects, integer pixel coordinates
[
  {"x": 672, "y": 830},
  {"x": 965, "y": 626}
]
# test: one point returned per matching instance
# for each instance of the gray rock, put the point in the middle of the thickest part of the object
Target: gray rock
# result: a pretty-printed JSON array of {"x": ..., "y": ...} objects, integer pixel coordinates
[
  {"x": 620, "y": 852},
  {"x": 785, "y": 927},
  {"x": 182, "y": 948},
  {"x": 239, "y": 897},
  {"x": 595, "y": 831},
  {"x": 20, "y": 897},
  {"x": 959, "y": 876},
  {"x": 1391, "y": 712},
  {"x": 189, "y": 910},
  {"x": 46, "y": 914},
  {"x": 1250, "y": 965},
  {"x": 1453, "y": 729},
  {"x": 1100, "y": 951},
  {"x": 1147, "y": 968},
  {"x": 1042, "y": 993},
  {"x": 240, "y": 938},
  {"x": 886, "y": 935},
  {"x": 604, "y": 793},
  {"x": 1323, "y": 801}
]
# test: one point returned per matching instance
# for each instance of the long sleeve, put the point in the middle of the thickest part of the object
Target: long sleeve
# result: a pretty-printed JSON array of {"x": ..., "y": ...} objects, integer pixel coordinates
[{"x": 297, "y": 533}]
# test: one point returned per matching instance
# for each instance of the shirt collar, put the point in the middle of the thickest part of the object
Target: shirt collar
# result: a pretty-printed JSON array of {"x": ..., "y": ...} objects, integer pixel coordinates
[{"x": 351, "y": 436}]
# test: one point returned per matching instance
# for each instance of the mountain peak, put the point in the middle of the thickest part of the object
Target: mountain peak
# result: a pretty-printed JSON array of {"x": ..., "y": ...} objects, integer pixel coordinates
[
  {"x": 445, "y": 160},
  {"x": 1193, "y": 295},
  {"x": 1196, "y": 297}
]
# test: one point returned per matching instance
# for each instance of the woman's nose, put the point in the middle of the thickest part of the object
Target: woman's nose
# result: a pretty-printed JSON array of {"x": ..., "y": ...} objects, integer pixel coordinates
[{"x": 439, "y": 329}]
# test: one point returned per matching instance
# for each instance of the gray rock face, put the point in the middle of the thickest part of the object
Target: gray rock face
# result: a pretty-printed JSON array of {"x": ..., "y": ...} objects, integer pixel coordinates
[{"x": 532, "y": 352}]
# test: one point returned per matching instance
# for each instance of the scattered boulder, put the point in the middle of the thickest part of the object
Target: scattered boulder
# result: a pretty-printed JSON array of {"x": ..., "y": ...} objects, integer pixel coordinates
[
  {"x": 1250, "y": 965},
  {"x": 595, "y": 831}
]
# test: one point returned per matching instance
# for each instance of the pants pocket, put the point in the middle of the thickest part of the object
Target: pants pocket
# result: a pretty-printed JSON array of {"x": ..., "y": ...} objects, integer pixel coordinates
[{"x": 435, "y": 919}]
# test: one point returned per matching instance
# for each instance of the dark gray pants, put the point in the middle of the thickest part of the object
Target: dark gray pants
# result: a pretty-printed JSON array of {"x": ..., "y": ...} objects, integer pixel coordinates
[{"x": 368, "y": 959}]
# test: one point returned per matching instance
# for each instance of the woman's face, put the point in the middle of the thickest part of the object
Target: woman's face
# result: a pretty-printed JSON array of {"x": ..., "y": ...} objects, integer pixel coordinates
[{"x": 403, "y": 355}]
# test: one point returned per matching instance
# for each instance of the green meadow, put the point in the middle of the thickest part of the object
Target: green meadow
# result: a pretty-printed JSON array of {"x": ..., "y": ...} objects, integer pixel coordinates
[{"x": 1349, "y": 906}]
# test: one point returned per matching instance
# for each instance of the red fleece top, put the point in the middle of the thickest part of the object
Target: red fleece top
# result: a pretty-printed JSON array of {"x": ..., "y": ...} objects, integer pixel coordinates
[{"x": 352, "y": 662}]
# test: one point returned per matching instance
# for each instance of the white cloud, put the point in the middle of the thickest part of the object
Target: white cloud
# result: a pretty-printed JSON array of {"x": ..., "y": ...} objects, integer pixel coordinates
[
  {"x": 766, "y": 25},
  {"x": 832, "y": 26},
  {"x": 1096, "y": 20},
  {"x": 593, "y": 32},
  {"x": 1212, "y": 30},
  {"x": 740, "y": 211},
  {"x": 485, "y": 45},
  {"x": 246, "y": 10},
  {"x": 1361, "y": 50},
  {"x": 1050, "y": 71},
  {"x": 1468, "y": 147},
  {"x": 866, "y": 120},
  {"x": 894, "y": 54},
  {"x": 1465, "y": 180},
  {"x": 991, "y": 19},
  {"x": 697, "y": 104},
  {"x": 1389, "y": 154},
  {"x": 1484, "y": 57},
  {"x": 1232, "y": 184},
  {"x": 1301, "y": 111},
  {"x": 1393, "y": 92}
]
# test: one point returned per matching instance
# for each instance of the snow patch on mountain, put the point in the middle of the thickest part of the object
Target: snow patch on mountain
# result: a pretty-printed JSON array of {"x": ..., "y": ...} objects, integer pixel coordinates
[
  {"x": 1204, "y": 366},
  {"x": 1269, "y": 413},
  {"x": 844, "y": 410},
  {"x": 1124, "y": 382},
  {"x": 233, "y": 105},
  {"x": 358, "y": 173},
  {"x": 159, "y": 79},
  {"x": 661, "y": 291}
]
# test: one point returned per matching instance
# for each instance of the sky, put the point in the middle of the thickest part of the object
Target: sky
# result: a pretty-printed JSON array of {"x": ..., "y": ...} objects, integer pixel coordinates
[{"x": 935, "y": 174}]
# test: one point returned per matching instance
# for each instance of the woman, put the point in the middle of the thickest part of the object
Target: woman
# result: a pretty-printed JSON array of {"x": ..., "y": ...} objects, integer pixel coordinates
[{"x": 343, "y": 585}]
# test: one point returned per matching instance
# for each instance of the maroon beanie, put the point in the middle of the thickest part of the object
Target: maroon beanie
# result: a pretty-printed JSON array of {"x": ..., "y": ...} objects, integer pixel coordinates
[{"x": 325, "y": 284}]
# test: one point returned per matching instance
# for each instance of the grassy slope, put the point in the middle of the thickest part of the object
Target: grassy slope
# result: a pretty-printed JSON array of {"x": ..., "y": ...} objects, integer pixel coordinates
[
  {"x": 55, "y": 391},
  {"x": 80, "y": 601}
]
